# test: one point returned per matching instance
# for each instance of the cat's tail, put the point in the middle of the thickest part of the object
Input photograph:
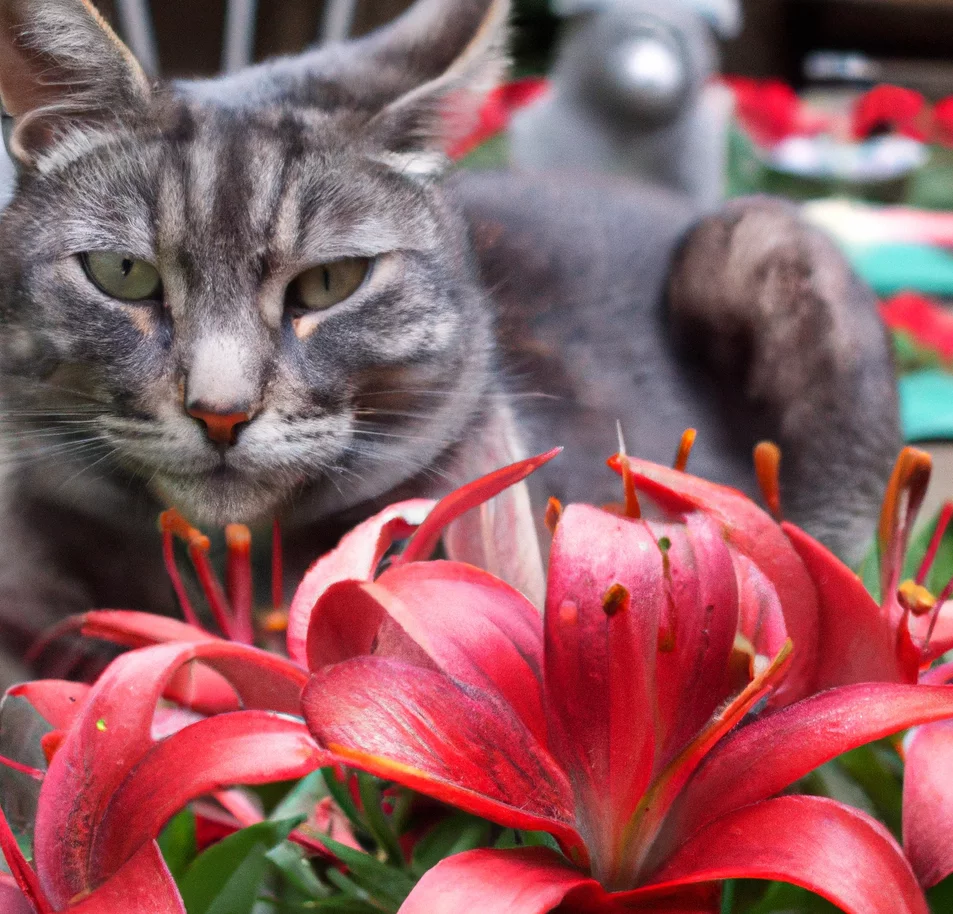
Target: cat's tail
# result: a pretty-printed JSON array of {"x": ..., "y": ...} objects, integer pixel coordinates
[{"x": 773, "y": 310}]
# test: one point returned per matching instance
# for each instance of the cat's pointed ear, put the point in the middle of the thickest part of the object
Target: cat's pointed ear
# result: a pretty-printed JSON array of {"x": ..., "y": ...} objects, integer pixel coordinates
[
  {"x": 63, "y": 71},
  {"x": 442, "y": 57}
]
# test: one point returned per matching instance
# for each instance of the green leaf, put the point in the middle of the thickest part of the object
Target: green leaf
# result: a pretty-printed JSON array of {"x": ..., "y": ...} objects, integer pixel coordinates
[
  {"x": 227, "y": 878},
  {"x": 293, "y": 865},
  {"x": 342, "y": 904},
  {"x": 302, "y": 798},
  {"x": 727, "y": 896},
  {"x": 376, "y": 818},
  {"x": 940, "y": 896},
  {"x": 875, "y": 768},
  {"x": 384, "y": 883},
  {"x": 453, "y": 835},
  {"x": 177, "y": 843},
  {"x": 782, "y": 897},
  {"x": 342, "y": 797},
  {"x": 507, "y": 840},
  {"x": 540, "y": 839}
]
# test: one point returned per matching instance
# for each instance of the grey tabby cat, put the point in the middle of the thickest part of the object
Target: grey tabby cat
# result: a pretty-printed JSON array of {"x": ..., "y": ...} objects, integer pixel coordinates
[{"x": 264, "y": 295}]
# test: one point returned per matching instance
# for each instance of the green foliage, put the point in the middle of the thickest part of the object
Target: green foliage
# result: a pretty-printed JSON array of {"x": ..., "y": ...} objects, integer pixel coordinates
[
  {"x": 230, "y": 875},
  {"x": 177, "y": 843}
]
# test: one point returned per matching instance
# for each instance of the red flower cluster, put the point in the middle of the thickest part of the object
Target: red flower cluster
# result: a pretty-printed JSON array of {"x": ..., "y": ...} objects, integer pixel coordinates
[
  {"x": 769, "y": 109},
  {"x": 686, "y": 671},
  {"x": 891, "y": 109},
  {"x": 926, "y": 321}
]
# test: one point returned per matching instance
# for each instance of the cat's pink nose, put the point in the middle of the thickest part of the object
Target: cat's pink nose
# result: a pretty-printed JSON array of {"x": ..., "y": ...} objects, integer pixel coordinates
[{"x": 221, "y": 428}]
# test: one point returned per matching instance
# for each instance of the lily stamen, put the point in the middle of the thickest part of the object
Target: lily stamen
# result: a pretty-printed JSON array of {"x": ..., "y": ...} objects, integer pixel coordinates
[
  {"x": 767, "y": 467},
  {"x": 632, "y": 508},
  {"x": 916, "y": 598},
  {"x": 554, "y": 511},
  {"x": 945, "y": 595},
  {"x": 685, "y": 449},
  {"x": 238, "y": 580},
  {"x": 946, "y": 515},
  {"x": 198, "y": 545},
  {"x": 172, "y": 524}
]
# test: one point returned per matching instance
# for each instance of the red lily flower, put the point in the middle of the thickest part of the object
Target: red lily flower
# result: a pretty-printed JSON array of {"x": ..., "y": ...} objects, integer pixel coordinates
[
  {"x": 619, "y": 723},
  {"x": 110, "y": 745},
  {"x": 890, "y": 108},
  {"x": 841, "y": 635},
  {"x": 99, "y": 807}
]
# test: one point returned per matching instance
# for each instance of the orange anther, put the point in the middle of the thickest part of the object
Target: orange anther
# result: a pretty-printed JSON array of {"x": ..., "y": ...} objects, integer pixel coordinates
[
  {"x": 767, "y": 467},
  {"x": 685, "y": 449},
  {"x": 554, "y": 513}
]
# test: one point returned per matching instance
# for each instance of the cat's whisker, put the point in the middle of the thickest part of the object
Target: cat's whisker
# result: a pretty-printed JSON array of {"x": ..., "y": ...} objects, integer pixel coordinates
[
  {"x": 463, "y": 396},
  {"x": 66, "y": 450},
  {"x": 47, "y": 388},
  {"x": 399, "y": 436},
  {"x": 111, "y": 452}
]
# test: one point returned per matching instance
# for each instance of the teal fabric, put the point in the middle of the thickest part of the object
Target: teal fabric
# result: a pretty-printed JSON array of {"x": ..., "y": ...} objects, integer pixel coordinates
[
  {"x": 892, "y": 268},
  {"x": 926, "y": 406}
]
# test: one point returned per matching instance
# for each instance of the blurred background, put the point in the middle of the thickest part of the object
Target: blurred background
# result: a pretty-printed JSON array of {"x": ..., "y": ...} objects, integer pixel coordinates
[
  {"x": 913, "y": 39},
  {"x": 845, "y": 105}
]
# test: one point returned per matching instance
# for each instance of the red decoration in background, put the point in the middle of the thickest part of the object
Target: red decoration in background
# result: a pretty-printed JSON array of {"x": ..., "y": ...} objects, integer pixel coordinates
[
  {"x": 769, "y": 109},
  {"x": 924, "y": 319},
  {"x": 943, "y": 122},
  {"x": 890, "y": 109},
  {"x": 494, "y": 117}
]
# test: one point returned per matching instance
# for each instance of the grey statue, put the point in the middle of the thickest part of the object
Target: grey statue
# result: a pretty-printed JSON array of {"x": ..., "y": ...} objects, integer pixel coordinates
[{"x": 632, "y": 93}]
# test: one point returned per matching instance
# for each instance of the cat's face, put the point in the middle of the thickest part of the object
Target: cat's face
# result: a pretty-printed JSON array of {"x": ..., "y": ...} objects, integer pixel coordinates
[{"x": 255, "y": 301}]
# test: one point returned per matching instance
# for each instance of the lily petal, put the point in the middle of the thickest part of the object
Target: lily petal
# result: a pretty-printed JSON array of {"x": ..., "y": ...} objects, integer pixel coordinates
[
  {"x": 761, "y": 619},
  {"x": 939, "y": 629},
  {"x": 247, "y": 747},
  {"x": 12, "y": 900},
  {"x": 755, "y": 534},
  {"x": 475, "y": 628},
  {"x": 500, "y": 536},
  {"x": 830, "y": 849},
  {"x": 858, "y": 641},
  {"x": 928, "y": 801},
  {"x": 25, "y": 878},
  {"x": 448, "y": 509},
  {"x": 358, "y": 554},
  {"x": 697, "y": 632},
  {"x": 129, "y": 628},
  {"x": 440, "y": 615},
  {"x": 604, "y": 603},
  {"x": 344, "y": 623},
  {"x": 143, "y": 886},
  {"x": 529, "y": 881},
  {"x": 451, "y": 742},
  {"x": 764, "y": 757},
  {"x": 55, "y": 700},
  {"x": 112, "y": 733},
  {"x": 355, "y": 558}
]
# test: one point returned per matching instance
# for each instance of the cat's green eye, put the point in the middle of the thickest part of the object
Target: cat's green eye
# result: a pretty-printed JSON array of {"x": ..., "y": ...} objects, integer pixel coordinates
[
  {"x": 329, "y": 283},
  {"x": 122, "y": 276}
]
